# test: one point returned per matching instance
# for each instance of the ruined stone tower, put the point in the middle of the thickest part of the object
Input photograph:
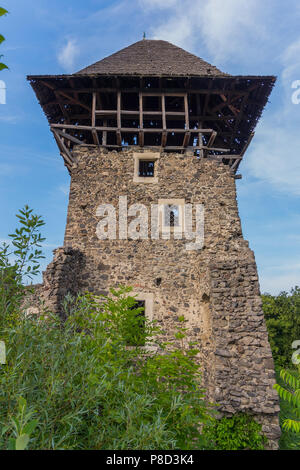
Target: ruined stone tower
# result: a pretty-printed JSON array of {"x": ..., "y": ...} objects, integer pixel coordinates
[{"x": 157, "y": 125}]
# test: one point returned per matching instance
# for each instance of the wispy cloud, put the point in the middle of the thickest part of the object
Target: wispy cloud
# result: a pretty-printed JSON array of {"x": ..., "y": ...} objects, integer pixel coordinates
[
  {"x": 10, "y": 119},
  {"x": 67, "y": 54},
  {"x": 6, "y": 169},
  {"x": 226, "y": 28},
  {"x": 274, "y": 154},
  {"x": 274, "y": 284},
  {"x": 65, "y": 189}
]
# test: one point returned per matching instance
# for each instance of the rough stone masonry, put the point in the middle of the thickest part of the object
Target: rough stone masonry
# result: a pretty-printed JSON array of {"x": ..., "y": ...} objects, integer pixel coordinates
[{"x": 215, "y": 288}]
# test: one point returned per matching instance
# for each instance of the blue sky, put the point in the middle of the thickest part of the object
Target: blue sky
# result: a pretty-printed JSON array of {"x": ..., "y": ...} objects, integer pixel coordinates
[{"x": 238, "y": 36}]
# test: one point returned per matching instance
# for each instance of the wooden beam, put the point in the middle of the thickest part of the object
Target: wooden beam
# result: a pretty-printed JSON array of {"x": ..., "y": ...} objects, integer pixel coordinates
[
  {"x": 141, "y": 110},
  {"x": 141, "y": 138},
  {"x": 212, "y": 139},
  {"x": 129, "y": 129},
  {"x": 94, "y": 109},
  {"x": 104, "y": 133},
  {"x": 119, "y": 110},
  {"x": 67, "y": 156},
  {"x": 164, "y": 138},
  {"x": 186, "y": 110},
  {"x": 95, "y": 137},
  {"x": 186, "y": 139},
  {"x": 67, "y": 136},
  {"x": 119, "y": 137},
  {"x": 163, "y": 109}
]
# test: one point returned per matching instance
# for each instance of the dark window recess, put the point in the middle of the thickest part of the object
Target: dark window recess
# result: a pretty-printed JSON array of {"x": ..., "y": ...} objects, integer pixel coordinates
[
  {"x": 171, "y": 216},
  {"x": 146, "y": 168},
  {"x": 136, "y": 331}
]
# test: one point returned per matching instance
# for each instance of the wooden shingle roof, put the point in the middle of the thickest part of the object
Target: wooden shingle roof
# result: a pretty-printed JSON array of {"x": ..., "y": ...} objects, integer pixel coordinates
[{"x": 153, "y": 58}]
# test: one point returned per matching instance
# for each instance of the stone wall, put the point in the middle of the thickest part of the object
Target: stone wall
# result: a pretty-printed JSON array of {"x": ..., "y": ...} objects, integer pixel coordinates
[
  {"x": 216, "y": 288},
  {"x": 60, "y": 278}
]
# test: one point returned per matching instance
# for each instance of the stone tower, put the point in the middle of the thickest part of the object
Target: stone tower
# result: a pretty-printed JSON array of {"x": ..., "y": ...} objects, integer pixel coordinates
[{"x": 154, "y": 125}]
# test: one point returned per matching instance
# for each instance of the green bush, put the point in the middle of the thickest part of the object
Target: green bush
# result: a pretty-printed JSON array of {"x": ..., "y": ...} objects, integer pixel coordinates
[
  {"x": 288, "y": 388},
  {"x": 88, "y": 390},
  {"x": 282, "y": 314},
  {"x": 239, "y": 432}
]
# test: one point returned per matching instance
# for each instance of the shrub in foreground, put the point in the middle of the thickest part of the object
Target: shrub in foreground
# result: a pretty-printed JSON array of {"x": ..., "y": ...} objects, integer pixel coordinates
[{"x": 84, "y": 388}]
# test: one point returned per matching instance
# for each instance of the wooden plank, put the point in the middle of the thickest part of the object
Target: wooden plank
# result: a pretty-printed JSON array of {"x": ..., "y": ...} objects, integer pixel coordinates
[
  {"x": 65, "y": 135},
  {"x": 141, "y": 107},
  {"x": 164, "y": 138},
  {"x": 247, "y": 144},
  {"x": 163, "y": 109},
  {"x": 212, "y": 139},
  {"x": 94, "y": 109},
  {"x": 186, "y": 110},
  {"x": 119, "y": 137},
  {"x": 119, "y": 110},
  {"x": 65, "y": 153},
  {"x": 73, "y": 100},
  {"x": 186, "y": 139},
  {"x": 155, "y": 91},
  {"x": 129, "y": 129},
  {"x": 104, "y": 133},
  {"x": 141, "y": 138},
  {"x": 95, "y": 137}
]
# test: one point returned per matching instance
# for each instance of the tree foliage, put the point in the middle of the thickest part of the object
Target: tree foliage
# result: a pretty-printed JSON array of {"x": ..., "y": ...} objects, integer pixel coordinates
[
  {"x": 2, "y": 38},
  {"x": 239, "y": 432},
  {"x": 99, "y": 379},
  {"x": 84, "y": 388},
  {"x": 18, "y": 262},
  {"x": 282, "y": 314},
  {"x": 290, "y": 393}
]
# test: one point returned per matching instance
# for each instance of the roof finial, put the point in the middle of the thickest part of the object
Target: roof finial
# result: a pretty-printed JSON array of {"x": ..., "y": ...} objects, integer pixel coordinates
[{"x": 144, "y": 35}]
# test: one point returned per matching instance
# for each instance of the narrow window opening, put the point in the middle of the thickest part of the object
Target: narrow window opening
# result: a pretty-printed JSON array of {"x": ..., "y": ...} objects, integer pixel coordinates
[
  {"x": 146, "y": 168},
  {"x": 171, "y": 216}
]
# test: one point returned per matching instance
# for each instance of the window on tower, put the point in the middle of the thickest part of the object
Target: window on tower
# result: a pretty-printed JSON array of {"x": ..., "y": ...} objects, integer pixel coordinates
[
  {"x": 146, "y": 168},
  {"x": 171, "y": 215}
]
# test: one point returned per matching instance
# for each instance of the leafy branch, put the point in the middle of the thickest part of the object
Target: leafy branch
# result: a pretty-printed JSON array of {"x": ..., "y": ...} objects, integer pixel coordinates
[{"x": 2, "y": 39}]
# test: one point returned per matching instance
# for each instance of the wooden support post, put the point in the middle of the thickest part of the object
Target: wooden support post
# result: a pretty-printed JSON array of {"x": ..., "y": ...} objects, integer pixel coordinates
[
  {"x": 164, "y": 135},
  {"x": 212, "y": 139},
  {"x": 186, "y": 139},
  {"x": 164, "y": 138},
  {"x": 104, "y": 133},
  {"x": 141, "y": 118},
  {"x": 69, "y": 137},
  {"x": 94, "y": 132},
  {"x": 94, "y": 110},
  {"x": 65, "y": 153},
  {"x": 119, "y": 137},
  {"x": 186, "y": 110}
]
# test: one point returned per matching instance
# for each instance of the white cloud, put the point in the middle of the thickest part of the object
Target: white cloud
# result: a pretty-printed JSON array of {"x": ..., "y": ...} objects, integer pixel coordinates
[
  {"x": 274, "y": 156},
  {"x": 65, "y": 189},
  {"x": 274, "y": 284},
  {"x": 67, "y": 54},
  {"x": 9, "y": 119},
  {"x": 226, "y": 28}
]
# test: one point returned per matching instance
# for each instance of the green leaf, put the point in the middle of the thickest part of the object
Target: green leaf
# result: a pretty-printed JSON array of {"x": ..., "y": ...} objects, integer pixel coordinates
[
  {"x": 22, "y": 441},
  {"x": 11, "y": 444},
  {"x": 2, "y": 38},
  {"x": 3, "y": 66},
  {"x": 3, "y": 11},
  {"x": 30, "y": 427}
]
